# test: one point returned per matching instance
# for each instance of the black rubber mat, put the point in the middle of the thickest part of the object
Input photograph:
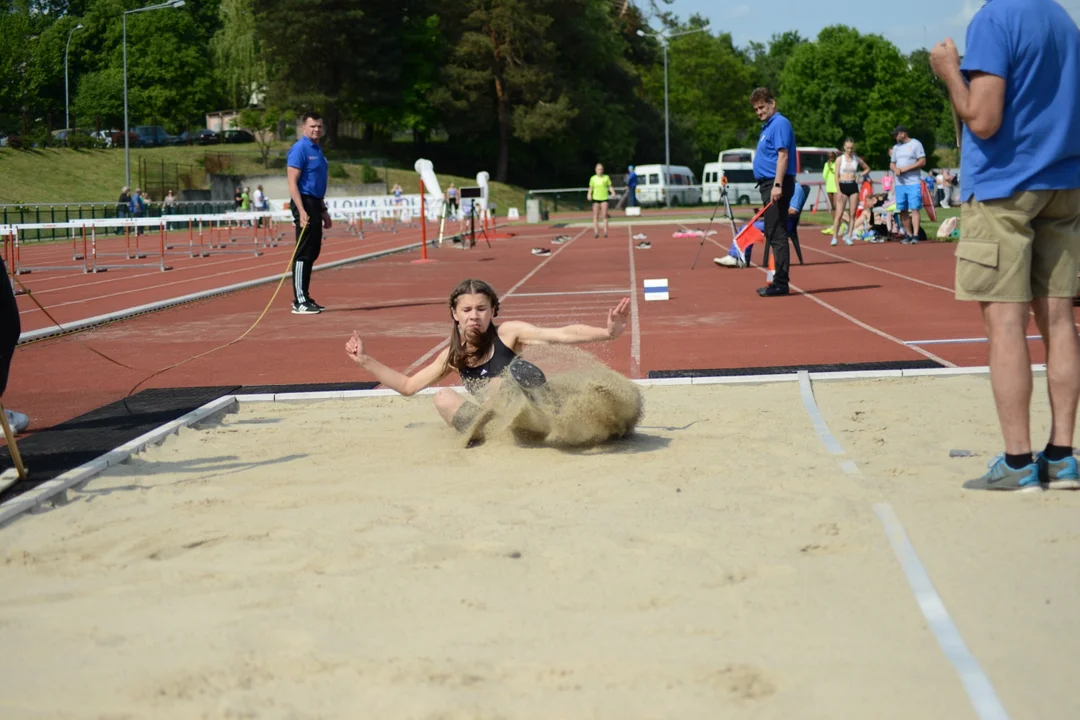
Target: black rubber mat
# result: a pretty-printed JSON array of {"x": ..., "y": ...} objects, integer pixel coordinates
[
  {"x": 784, "y": 369},
  {"x": 52, "y": 452},
  {"x": 308, "y": 387}
]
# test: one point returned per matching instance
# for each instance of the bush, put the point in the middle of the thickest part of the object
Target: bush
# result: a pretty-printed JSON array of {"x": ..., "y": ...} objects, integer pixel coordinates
[
  {"x": 337, "y": 170},
  {"x": 369, "y": 175}
]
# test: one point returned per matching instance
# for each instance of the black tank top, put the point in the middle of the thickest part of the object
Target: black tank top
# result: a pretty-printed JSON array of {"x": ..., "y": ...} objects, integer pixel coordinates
[{"x": 476, "y": 377}]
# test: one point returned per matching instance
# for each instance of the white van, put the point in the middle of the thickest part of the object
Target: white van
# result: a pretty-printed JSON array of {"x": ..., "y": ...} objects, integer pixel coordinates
[
  {"x": 737, "y": 164},
  {"x": 654, "y": 185}
]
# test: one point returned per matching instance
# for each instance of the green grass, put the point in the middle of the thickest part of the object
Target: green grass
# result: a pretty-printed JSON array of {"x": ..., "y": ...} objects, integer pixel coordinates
[{"x": 56, "y": 175}]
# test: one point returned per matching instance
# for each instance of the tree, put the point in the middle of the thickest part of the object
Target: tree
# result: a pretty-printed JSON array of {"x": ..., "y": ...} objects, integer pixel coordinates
[
  {"x": 848, "y": 85},
  {"x": 262, "y": 124},
  {"x": 238, "y": 58},
  {"x": 709, "y": 93},
  {"x": 338, "y": 56},
  {"x": 501, "y": 73},
  {"x": 101, "y": 95},
  {"x": 768, "y": 62}
]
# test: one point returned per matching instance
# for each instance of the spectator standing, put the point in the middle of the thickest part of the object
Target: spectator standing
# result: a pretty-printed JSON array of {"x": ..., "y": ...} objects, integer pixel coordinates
[
  {"x": 137, "y": 208},
  {"x": 908, "y": 159},
  {"x": 123, "y": 206},
  {"x": 1017, "y": 92},
  {"x": 631, "y": 184}
]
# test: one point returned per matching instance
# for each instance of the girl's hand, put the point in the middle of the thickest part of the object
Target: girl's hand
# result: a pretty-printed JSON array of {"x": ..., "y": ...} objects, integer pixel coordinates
[
  {"x": 616, "y": 319},
  {"x": 354, "y": 348}
]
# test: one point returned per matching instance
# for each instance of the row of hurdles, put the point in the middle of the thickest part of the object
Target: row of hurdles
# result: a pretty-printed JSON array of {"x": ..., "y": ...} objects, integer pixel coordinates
[{"x": 102, "y": 244}]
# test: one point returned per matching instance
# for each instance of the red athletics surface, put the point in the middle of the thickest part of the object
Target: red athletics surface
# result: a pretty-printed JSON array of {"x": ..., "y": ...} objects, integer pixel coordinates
[{"x": 853, "y": 304}]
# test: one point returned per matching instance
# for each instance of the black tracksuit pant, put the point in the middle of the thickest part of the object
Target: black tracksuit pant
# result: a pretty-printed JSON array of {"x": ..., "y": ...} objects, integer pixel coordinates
[
  {"x": 310, "y": 245},
  {"x": 10, "y": 327},
  {"x": 776, "y": 234}
]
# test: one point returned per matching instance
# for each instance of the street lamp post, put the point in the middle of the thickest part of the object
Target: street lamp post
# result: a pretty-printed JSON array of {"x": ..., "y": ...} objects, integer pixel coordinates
[
  {"x": 664, "y": 40},
  {"x": 67, "y": 105},
  {"x": 127, "y": 143}
]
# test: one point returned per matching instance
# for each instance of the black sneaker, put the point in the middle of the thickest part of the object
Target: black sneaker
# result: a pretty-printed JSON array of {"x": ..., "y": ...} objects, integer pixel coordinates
[
  {"x": 312, "y": 302},
  {"x": 308, "y": 308},
  {"x": 773, "y": 291}
]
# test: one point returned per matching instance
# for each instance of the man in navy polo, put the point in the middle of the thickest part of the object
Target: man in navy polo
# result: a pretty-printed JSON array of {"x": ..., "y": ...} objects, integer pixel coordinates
[
  {"x": 774, "y": 172},
  {"x": 308, "y": 173},
  {"x": 1017, "y": 92}
]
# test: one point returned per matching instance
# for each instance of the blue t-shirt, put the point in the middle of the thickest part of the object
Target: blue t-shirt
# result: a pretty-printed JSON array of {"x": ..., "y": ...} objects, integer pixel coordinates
[
  {"x": 776, "y": 134},
  {"x": 631, "y": 180},
  {"x": 1035, "y": 46},
  {"x": 308, "y": 157},
  {"x": 906, "y": 155}
]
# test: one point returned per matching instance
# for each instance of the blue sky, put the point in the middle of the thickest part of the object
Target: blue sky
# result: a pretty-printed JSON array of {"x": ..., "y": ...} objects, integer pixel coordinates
[{"x": 920, "y": 23}]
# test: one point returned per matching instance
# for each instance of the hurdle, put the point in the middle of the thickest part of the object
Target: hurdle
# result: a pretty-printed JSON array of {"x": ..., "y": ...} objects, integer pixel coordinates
[
  {"x": 128, "y": 223},
  {"x": 230, "y": 245},
  {"x": 18, "y": 268},
  {"x": 7, "y": 252}
]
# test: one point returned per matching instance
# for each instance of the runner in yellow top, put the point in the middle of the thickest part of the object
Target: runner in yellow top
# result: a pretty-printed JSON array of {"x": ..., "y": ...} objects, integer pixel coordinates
[{"x": 599, "y": 192}]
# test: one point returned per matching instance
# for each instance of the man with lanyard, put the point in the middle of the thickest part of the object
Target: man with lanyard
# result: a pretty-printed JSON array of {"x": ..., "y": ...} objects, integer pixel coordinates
[
  {"x": 774, "y": 172},
  {"x": 1017, "y": 92},
  {"x": 308, "y": 173}
]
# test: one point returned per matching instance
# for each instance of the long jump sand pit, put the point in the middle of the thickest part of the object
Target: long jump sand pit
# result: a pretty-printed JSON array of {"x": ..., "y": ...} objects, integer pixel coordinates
[{"x": 349, "y": 559}]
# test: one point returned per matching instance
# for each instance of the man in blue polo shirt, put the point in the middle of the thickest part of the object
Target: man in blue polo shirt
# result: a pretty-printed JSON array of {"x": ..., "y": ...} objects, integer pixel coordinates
[
  {"x": 774, "y": 172},
  {"x": 308, "y": 172},
  {"x": 1017, "y": 92}
]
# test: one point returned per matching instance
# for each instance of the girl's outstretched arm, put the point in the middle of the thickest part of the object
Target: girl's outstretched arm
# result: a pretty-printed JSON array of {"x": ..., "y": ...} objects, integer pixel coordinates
[
  {"x": 522, "y": 332},
  {"x": 397, "y": 381}
]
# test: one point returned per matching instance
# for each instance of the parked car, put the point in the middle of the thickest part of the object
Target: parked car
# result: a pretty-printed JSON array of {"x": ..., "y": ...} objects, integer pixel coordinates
[
  {"x": 66, "y": 135},
  {"x": 199, "y": 137},
  {"x": 238, "y": 136},
  {"x": 154, "y": 136}
]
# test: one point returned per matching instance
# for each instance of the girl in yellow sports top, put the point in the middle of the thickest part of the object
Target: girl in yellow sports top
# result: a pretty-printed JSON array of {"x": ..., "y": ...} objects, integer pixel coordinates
[{"x": 599, "y": 192}]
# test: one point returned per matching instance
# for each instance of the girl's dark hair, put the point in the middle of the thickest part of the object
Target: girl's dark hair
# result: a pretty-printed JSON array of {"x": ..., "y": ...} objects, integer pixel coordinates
[
  {"x": 458, "y": 356},
  {"x": 833, "y": 156}
]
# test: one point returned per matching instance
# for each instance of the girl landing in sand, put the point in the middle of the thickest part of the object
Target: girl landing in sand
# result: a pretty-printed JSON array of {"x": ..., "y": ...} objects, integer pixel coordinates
[{"x": 480, "y": 351}]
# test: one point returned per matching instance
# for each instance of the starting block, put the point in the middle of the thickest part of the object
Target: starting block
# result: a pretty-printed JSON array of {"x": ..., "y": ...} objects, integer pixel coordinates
[{"x": 656, "y": 289}]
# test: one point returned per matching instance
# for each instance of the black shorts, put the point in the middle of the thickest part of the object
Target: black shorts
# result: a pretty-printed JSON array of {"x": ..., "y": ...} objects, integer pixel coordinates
[
  {"x": 599, "y": 202},
  {"x": 849, "y": 188}
]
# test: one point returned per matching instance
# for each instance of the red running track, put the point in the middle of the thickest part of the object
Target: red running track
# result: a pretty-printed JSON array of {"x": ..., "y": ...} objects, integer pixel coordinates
[{"x": 852, "y": 304}]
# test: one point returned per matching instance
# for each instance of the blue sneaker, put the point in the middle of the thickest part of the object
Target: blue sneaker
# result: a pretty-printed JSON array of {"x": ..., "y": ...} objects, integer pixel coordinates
[
  {"x": 1059, "y": 474},
  {"x": 1003, "y": 477}
]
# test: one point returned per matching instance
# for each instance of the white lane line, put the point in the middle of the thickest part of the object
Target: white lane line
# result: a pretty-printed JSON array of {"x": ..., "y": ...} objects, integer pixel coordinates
[
  {"x": 959, "y": 341},
  {"x": 882, "y": 270},
  {"x": 621, "y": 291},
  {"x": 979, "y": 689},
  {"x": 431, "y": 353},
  {"x": 635, "y": 323}
]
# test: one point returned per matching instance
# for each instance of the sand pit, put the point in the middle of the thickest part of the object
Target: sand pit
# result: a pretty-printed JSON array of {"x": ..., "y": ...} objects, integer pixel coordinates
[{"x": 350, "y": 559}]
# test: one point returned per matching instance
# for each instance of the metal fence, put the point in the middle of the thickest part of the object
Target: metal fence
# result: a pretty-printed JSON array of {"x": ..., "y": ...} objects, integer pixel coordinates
[{"x": 65, "y": 212}]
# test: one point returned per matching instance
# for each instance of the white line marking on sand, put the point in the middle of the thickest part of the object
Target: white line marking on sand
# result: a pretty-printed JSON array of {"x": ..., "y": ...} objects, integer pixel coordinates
[
  {"x": 430, "y": 353},
  {"x": 979, "y": 689},
  {"x": 635, "y": 325}
]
